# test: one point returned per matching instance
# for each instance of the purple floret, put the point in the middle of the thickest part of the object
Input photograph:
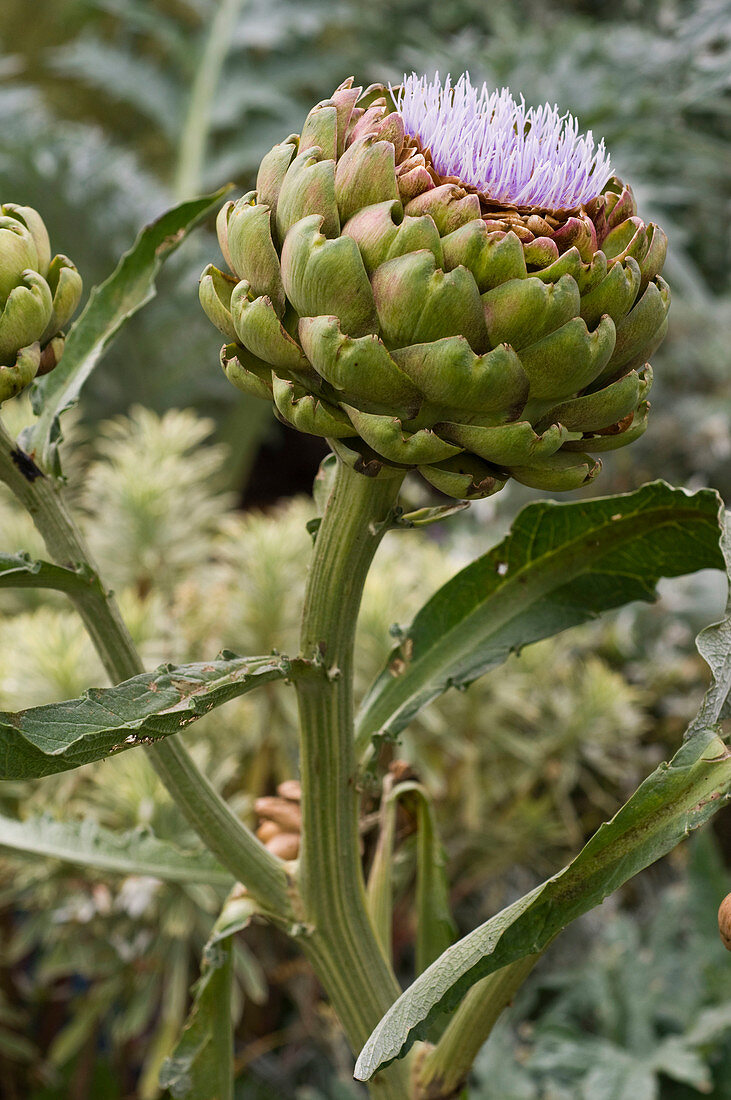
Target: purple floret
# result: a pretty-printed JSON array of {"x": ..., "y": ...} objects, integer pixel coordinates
[{"x": 521, "y": 156}]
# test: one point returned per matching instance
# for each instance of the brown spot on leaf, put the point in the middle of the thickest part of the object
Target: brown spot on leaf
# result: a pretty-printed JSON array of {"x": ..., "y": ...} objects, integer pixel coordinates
[{"x": 169, "y": 242}]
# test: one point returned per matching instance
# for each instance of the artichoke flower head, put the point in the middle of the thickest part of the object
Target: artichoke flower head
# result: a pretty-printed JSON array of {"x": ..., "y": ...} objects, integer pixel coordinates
[
  {"x": 437, "y": 277},
  {"x": 38, "y": 295}
]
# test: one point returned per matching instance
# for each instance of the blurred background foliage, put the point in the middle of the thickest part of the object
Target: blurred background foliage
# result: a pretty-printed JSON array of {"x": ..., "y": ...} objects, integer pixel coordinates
[{"x": 109, "y": 111}]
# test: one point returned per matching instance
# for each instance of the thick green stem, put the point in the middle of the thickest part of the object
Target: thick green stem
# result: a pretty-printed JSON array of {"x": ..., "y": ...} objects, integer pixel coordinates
[
  {"x": 444, "y": 1070},
  {"x": 341, "y": 942},
  {"x": 227, "y": 837}
]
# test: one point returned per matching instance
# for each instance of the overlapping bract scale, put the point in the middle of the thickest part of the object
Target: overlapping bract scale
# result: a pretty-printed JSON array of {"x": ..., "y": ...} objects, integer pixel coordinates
[{"x": 416, "y": 323}]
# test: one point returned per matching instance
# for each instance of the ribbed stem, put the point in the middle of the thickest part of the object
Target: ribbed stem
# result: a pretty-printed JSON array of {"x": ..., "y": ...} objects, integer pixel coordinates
[
  {"x": 227, "y": 837},
  {"x": 341, "y": 944},
  {"x": 445, "y": 1069}
]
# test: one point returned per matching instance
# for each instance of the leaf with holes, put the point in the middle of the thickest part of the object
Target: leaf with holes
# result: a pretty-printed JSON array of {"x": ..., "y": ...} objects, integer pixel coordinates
[{"x": 59, "y": 736}]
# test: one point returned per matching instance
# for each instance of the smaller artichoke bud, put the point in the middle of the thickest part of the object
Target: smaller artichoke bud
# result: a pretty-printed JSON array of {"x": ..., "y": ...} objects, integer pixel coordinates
[
  {"x": 724, "y": 921},
  {"x": 38, "y": 295}
]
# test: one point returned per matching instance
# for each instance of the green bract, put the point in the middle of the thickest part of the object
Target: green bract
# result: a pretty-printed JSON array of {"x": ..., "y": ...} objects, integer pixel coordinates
[
  {"x": 38, "y": 295},
  {"x": 414, "y": 322}
]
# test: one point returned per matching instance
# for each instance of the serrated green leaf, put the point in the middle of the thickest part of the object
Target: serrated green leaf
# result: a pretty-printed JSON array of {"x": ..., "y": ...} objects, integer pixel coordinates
[
  {"x": 59, "y": 736},
  {"x": 561, "y": 565},
  {"x": 88, "y": 844},
  {"x": 130, "y": 286},
  {"x": 201, "y": 1067},
  {"x": 678, "y": 797},
  {"x": 21, "y": 571}
]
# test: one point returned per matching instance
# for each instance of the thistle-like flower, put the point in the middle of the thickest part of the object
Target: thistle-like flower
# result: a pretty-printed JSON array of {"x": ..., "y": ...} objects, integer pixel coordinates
[
  {"x": 438, "y": 277},
  {"x": 512, "y": 154}
]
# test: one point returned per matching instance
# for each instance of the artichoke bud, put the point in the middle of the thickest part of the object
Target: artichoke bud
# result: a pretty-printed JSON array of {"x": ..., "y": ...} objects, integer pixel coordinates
[
  {"x": 38, "y": 295},
  {"x": 724, "y": 922},
  {"x": 51, "y": 355},
  {"x": 422, "y": 282}
]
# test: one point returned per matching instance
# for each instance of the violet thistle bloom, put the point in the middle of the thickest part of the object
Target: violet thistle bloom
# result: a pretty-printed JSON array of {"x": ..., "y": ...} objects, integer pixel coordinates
[
  {"x": 512, "y": 154},
  {"x": 440, "y": 278}
]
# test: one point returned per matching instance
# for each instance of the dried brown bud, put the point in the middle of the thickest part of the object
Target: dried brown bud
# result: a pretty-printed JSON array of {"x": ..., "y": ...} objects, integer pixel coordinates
[
  {"x": 400, "y": 771},
  {"x": 724, "y": 921},
  {"x": 280, "y": 810},
  {"x": 290, "y": 789},
  {"x": 284, "y": 845},
  {"x": 267, "y": 830}
]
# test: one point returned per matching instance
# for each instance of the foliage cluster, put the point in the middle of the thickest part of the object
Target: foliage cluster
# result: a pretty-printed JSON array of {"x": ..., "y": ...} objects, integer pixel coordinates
[{"x": 237, "y": 578}]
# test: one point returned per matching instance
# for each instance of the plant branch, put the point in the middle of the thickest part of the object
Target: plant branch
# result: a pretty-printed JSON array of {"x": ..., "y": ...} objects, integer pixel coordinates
[{"x": 227, "y": 837}]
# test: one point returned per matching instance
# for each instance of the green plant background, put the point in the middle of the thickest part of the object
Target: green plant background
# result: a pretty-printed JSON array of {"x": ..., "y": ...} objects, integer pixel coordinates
[{"x": 96, "y": 114}]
